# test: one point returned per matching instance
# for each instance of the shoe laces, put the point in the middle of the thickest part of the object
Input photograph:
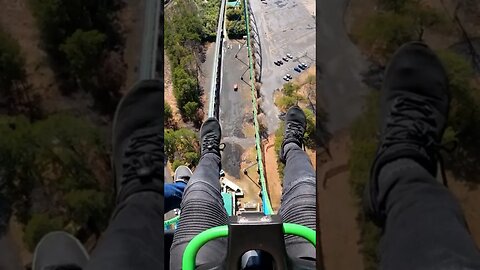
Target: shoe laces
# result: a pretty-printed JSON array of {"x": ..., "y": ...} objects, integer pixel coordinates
[
  {"x": 210, "y": 142},
  {"x": 295, "y": 130},
  {"x": 144, "y": 158},
  {"x": 415, "y": 128},
  {"x": 411, "y": 121}
]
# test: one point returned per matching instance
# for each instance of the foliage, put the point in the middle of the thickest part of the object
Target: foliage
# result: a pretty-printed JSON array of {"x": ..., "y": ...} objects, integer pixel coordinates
[
  {"x": 82, "y": 51},
  {"x": 55, "y": 156},
  {"x": 310, "y": 129},
  {"x": 364, "y": 143},
  {"x": 11, "y": 63},
  {"x": 385, "y": 32},
  {"x": 168, "y": 114},
  {"x": 401, "y": 21},
  {"x": 185, "y": 89},
  {"x": 38, "y": 226},
  {"x": 182, "y": 147},
  {"x": 278, "y": 144},
  {"x": 234, "y": 13},
  {"x": 60, "y": 19},
  {"x": 190, "y": 110},
  {"x": 289, "y": 98},
  {"x": 464, "y": 119},
  {"x": 183, "y": 34},
  {"x": 83, "y": 41},
  {"x": 290, "y": 89},
  {"x": 285, "y": 102},
  {"x": 209, "y": 12},
  {"x": 236, "y": 27},
  {"x": 85, "y": 205}
]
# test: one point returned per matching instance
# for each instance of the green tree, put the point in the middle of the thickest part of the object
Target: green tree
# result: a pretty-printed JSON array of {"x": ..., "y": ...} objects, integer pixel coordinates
[
  {"x": 58, "y": 20},
  {"x": 310, "y": 129},
  {"x": 88, "y": 205},
  {"x": 290, "y": 89},
  {"x": 234, "y": 14},
  {"x": 182, "y": 146},
  {"x": 167, "y": 116},
  {"x": 285, "y": 102},
  {"x": 384, "y": 32},
  {"x": 464, "y": 115},
  {"x": 278, "y": 144},
  {"x": 190, "y": 110},
  {"x": 56, "y": 155},
  {"x": 83, "y": 50},
  {"x": 363, "y": 133},
  {"x": 38, "y": 226},
  {"x": 11, "y": 63}
]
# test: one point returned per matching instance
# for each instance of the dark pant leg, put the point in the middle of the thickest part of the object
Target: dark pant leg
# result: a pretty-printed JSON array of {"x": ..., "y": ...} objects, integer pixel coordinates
[
  {"x": 201, "y": 209},
  {"x": 425, "y": 227},
  {"x": 134, "y": 238},
  {"x": 298, "y": 204}
]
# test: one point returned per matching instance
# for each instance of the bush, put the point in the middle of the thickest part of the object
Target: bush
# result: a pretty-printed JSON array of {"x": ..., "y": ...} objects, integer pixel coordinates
[
  {"x": 182, "y": 146},
  {"x": 285, "y": 102},
  {"x": 190, "y": 110},
  {"x": 364, "y": 144},
  {"x": 57, "y": 155},
  {"x": 11, "y": 63},
  {"x": 310, "y": 130},
  {"x": 38, "y": 226},
  {"x": 290, "y": 89},
  {"x": 168, "y": 114},
  {"x": 278, "y": 144},
  {"x": 82, "y": 51},
  {"x": 402, "y": 21},
  {"x": 88, "y": 205}
]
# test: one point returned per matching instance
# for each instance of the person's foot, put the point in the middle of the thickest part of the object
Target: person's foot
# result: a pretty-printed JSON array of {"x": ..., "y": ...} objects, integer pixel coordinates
[
  {"x": 59, "y": 250},
  {"x": 414, "y": 112},
  {"x": 210, "y": 135},
  {"x": 137, "y": 157},
  {"x": 295, "y": 124},
  {"x": 182, "y": 174}
]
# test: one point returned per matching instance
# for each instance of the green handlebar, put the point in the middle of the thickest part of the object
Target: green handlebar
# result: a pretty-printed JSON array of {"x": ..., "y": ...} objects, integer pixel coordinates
[{"x": 190, "y": 253}]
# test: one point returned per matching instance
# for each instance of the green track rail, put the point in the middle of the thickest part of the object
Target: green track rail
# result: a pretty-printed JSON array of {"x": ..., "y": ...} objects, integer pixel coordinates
[{"x": 267, "y": 207}]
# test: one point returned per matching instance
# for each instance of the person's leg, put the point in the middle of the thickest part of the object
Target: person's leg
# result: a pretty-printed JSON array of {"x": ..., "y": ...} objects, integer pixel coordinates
[
  {"x": 59, "y": 250},
  {"x": 173, "y": 195},
  {"x": 298, "y": 203},
  {"x": 134, "y": 237},
  {"x": 202, "y": 204},
  {"x": 174, "y": 192},
  {"x": 423, "y": 225}
]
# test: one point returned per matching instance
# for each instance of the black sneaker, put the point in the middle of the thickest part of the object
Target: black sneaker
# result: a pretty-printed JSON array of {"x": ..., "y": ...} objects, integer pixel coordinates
[
  {"x": 210, "y": 135},
  {"x": 295, "y": 124},
  {"x": 137, "y": 157},
  {"x": 414, "y": 111},
  {"x": 182, "y": 174}
]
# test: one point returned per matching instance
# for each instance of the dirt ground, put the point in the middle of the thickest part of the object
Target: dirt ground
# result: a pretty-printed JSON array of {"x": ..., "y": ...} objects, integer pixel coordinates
[
  {"x": 18, "y": 21},
  {"x": 273, "y": 179},
  {"x": 337, "y": 208},
  {"x": 132, "y": 28},
  {"x": 469, "y": 200},
  {"x": 169, "y": 97}
]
